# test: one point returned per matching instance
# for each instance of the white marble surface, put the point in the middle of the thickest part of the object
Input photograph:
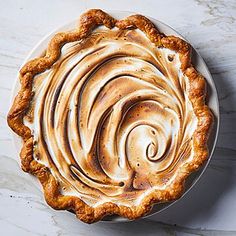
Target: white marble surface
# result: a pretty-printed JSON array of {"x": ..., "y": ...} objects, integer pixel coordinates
[{"x": 210, "y": 208}]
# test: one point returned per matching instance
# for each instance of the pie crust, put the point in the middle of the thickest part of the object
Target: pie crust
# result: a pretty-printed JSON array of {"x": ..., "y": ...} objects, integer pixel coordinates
[{"x": 197, "y": 94}]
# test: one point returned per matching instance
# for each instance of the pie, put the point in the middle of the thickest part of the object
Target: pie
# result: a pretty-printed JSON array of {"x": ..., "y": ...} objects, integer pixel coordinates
[{"x": 112, "y": 116}]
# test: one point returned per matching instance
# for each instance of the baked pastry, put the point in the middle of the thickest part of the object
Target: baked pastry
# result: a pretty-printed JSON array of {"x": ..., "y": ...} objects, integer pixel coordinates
[{"x": 113, "y": 118}]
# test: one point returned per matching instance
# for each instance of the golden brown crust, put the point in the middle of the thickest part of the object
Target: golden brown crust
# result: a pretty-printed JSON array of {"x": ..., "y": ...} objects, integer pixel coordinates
[{"x": 197, "y": 92}]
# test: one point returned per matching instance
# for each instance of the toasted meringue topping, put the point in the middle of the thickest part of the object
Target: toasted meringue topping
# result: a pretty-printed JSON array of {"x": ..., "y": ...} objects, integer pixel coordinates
[{"x": 111, "y": 118}]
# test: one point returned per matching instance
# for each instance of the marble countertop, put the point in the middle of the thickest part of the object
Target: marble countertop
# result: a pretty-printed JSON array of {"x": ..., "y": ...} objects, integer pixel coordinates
[{"x": 209, "y": 208}]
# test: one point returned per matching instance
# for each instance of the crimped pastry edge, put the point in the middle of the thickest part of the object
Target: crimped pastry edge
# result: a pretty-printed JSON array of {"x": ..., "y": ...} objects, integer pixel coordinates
[{"x": 197, "y": 93}]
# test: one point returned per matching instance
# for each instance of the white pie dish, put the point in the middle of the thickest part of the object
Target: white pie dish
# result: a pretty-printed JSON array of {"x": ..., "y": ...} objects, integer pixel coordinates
[{"x": 199, "y": 65}]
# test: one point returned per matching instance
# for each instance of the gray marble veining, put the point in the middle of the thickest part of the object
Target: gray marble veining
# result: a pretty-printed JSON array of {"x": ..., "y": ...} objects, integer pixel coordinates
[{"x": 209, "y": 208}]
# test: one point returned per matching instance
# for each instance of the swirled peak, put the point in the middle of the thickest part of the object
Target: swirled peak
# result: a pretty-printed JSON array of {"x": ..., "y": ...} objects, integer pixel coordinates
[{"x": 111, "y": 118}]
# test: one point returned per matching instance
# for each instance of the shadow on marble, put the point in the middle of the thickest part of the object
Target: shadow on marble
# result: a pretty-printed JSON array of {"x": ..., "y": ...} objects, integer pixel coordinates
[
  {"x": 139, "y": 227},
  {"x": 143, "y": 227},
  {"x": 200, "y": 204}
]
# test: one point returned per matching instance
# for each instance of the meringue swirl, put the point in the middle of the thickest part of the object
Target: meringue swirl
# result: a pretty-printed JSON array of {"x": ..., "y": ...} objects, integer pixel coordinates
[{"x": 111, "y": 118}]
